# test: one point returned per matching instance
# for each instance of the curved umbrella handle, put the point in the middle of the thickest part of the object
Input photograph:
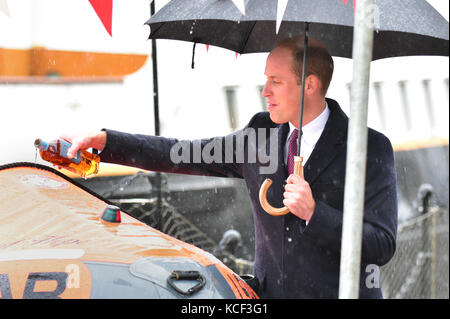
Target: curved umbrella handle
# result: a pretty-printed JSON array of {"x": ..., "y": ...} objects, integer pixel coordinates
[{"x": 298, "y": 170}]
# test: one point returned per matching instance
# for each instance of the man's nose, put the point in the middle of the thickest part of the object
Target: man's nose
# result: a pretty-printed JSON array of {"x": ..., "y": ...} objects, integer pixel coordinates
[{"x": 266, "y": 92}]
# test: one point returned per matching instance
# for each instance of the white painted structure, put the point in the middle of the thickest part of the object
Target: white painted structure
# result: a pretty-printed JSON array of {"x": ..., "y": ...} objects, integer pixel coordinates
[{"x": 412, "y": 92}]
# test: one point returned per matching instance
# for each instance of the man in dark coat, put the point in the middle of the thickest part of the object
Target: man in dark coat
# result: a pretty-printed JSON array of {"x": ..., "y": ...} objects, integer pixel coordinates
[{"x": 296, "y": 255}]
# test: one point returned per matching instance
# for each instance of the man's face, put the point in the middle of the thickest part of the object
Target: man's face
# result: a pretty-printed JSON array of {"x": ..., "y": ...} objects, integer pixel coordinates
[{"x": 282, "y": 92}]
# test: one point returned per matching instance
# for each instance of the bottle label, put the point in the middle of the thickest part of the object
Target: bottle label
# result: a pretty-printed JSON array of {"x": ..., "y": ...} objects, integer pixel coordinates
[{"x": 63, "y": 152}]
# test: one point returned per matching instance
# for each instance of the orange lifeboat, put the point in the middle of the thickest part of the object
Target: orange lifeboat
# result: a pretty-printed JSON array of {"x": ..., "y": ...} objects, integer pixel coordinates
[{"x": 59, "y": 239}]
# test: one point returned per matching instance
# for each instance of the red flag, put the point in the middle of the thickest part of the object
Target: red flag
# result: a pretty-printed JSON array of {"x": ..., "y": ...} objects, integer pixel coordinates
[
  {"x": 207, "y": 47},
  {"x": 103, "y": 8},
  {"x": 354, "y": 5}
]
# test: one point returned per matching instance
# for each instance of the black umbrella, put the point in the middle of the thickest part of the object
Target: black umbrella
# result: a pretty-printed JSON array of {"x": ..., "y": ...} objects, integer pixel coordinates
[{"x": 402, "y": 28}]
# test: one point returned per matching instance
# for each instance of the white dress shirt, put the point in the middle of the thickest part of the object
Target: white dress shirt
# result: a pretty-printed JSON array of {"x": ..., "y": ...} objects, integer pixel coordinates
[{"x": 311, "y": 134}]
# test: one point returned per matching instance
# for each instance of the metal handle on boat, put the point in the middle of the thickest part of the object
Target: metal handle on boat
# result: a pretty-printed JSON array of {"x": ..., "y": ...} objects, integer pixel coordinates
[{"x": 186, "y": 275}]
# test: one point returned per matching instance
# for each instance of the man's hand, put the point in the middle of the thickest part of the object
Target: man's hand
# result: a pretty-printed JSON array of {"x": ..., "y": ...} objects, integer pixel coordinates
[
  {"x": 95, "y": 140},
  {"x": 298, "y": 197}
]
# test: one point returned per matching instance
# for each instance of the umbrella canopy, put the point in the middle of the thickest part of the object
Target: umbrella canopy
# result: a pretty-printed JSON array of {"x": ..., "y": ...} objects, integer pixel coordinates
[{"x": 402, "y": 28}]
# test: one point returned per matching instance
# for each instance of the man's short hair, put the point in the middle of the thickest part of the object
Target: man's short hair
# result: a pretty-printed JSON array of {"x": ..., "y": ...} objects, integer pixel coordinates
[{"x": 318, "y": 60}]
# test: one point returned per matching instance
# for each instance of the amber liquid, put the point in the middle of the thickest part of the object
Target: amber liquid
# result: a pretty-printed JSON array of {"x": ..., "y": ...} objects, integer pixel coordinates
[{"x": 88, "y": 162}]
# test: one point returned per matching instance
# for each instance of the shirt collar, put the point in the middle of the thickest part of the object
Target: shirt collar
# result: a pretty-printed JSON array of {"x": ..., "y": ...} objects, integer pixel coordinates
[{"x": 313, "y": 130}]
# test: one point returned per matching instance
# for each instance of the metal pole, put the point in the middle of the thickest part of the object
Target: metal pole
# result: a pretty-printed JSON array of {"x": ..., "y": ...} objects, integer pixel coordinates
[
  {"x": 158, "y": 177},
  {"x": 155, "y": 76},
  {"x": 433, "y": 251},
  {"x": 356, "y": 152}
]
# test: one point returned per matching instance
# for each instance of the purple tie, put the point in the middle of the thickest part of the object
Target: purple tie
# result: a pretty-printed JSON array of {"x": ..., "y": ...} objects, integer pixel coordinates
[{"x": 292, "y": 151}]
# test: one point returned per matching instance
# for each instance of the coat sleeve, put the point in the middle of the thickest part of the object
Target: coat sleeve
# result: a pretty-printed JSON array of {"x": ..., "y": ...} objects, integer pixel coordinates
[
  {"x": 209, "y": 157},
  {"x": 380, "y": 209},
  {"x": 199, "y": 157}
]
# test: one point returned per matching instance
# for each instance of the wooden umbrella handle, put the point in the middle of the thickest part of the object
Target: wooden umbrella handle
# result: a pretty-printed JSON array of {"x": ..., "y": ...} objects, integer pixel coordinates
[{"x": 298, "y": 170}]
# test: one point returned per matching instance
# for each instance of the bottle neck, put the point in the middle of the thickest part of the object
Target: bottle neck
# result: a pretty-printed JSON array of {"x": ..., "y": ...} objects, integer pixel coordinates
[{"x": 41, "y": 145}]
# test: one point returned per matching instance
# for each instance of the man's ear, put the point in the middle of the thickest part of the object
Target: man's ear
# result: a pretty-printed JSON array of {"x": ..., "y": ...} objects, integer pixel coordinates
[{"x": 313, "y": 85}]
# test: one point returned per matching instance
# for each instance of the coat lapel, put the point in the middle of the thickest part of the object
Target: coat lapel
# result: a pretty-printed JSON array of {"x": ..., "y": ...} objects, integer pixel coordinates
[{"x": 326, "y": 149}]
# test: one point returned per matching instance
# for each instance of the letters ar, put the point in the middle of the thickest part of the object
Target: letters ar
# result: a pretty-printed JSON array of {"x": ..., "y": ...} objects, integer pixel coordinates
[{"x": 29, "y": 292}]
